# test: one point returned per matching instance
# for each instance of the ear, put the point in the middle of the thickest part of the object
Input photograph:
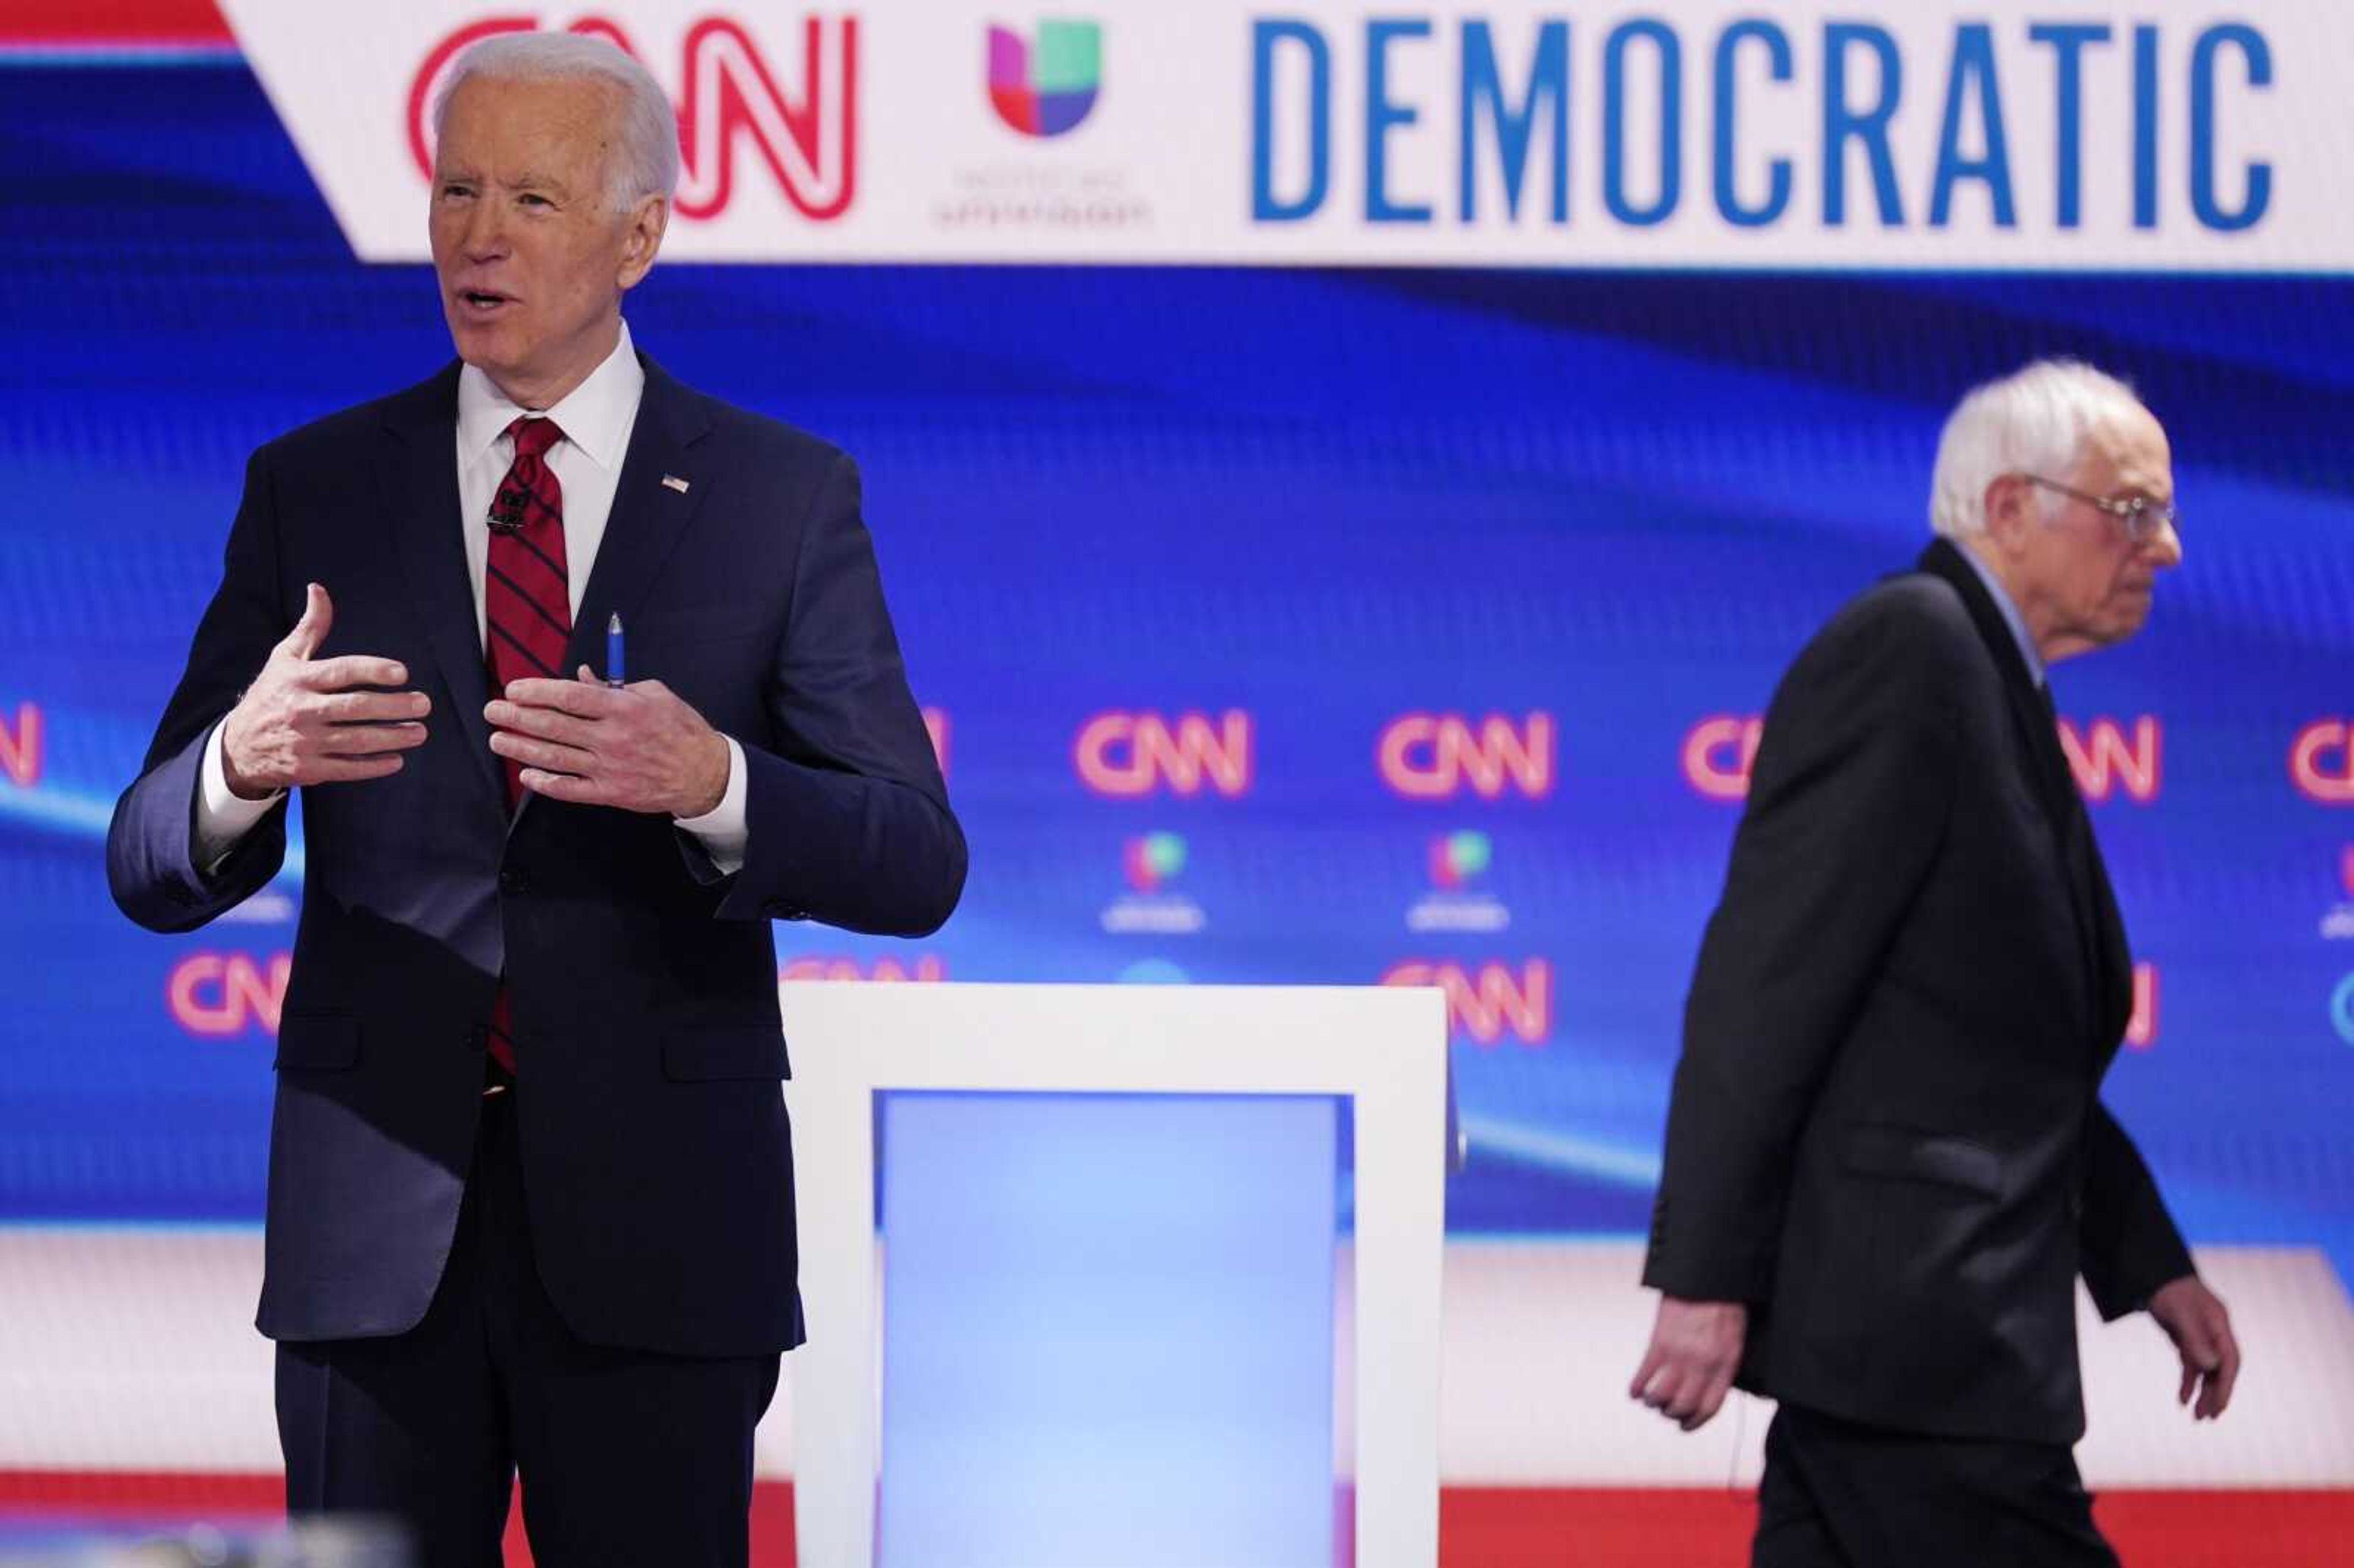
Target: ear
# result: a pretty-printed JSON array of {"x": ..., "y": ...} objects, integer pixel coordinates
[
  {"x": 647, "y": 222},
  {"x": 2009, "y": 512}
]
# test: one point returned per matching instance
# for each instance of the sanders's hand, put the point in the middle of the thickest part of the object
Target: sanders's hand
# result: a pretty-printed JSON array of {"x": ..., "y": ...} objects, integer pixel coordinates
[
  {"x": 305, "y": 720},
  {"x": 2194, "y": 1319},
  {"x": 641, "y": 748},
  {"x": 1695, "y": 1349}
]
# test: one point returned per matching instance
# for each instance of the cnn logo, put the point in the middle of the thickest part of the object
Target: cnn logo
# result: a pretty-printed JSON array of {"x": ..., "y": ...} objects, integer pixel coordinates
[
  {"x": 928, "y": 970},
  {"x": 1437, "y": 756},
  {"x": 729, "y": 106},
  {"x": 2321, "y": 762},
  {"x": 21, "y": 747},
  {"x": 1128, "y": 754},
  {"x": 936, "y": 726},
  {"x": 2141, "y": 1025},
  {"x": 2107, "y": 760},
  {"x": 2105, "y": 756},
  {"x": 1718, "y": 753},
  {"x": 1490, "y": 1003},
  {"x": 217, "y": 994}
]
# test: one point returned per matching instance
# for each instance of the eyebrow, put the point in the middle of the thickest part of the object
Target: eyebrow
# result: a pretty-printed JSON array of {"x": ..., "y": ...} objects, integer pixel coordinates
[{"x": 526, "y": 181}]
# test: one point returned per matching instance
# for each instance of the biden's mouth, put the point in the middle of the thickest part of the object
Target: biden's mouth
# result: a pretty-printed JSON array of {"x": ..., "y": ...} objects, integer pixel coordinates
[{"x": 483, "y": 305}]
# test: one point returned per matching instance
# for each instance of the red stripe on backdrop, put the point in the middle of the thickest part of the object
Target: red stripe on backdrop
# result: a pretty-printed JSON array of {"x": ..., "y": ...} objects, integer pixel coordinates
[
  {"x": 128, "y": 23},
  {"x": 1496, "y": 1527},
  {"x": 1479, "y": 1527}
]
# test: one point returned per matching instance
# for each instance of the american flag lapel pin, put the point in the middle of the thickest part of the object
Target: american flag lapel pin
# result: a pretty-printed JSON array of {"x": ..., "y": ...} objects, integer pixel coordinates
[{"x": 672, "y": 482}]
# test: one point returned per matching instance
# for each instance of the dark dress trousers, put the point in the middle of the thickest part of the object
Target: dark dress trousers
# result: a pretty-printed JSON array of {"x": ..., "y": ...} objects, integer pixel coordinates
[
  {"x": 649, "y": 1135},
  {"x": 1885, "y": 1136}
]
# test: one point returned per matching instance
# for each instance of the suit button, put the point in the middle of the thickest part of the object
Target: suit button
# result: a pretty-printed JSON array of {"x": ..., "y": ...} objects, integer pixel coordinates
[{"x": 513, "y": 881}]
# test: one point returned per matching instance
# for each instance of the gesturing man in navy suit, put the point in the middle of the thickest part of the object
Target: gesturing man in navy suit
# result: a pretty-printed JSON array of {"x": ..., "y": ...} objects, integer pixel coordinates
[{"x": 530, "y": 1178}]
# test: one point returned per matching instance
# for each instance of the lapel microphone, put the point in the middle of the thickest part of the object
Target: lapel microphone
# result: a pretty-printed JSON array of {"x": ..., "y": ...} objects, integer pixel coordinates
[
  {"x": 506, "y": 509},
  {"x": 513, "y": 494}
]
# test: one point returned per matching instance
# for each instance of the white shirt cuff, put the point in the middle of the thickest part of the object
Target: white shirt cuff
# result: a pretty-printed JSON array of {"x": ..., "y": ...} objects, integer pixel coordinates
[
  {"x": 722, "y": 829},
  {"x": 223, "y": 816}
]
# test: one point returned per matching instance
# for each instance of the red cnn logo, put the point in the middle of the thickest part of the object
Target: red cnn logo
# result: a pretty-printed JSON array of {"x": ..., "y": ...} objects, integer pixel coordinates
[
  {"x": 20, "y": 748},
  {"x": 729, "y": 98},
  {"x": 927, "y": 969},
  {"x": 2141, "y": 1028},
  {"x": 935, "y": 724},
  {"x": 217, "y": 994},
  {"x": 1487, "y": 1003},
  {"x": 1432, "y": 757},
  {"x": 1128, "y": 754},
  {"x": 1719, "y": 752},
  {"x": 2102, "y": 760},
  {"x": 2321, "y": 762}
]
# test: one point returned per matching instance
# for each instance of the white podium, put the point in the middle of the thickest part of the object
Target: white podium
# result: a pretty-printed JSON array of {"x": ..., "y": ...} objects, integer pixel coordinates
[{"x": 856, "y": 1047}]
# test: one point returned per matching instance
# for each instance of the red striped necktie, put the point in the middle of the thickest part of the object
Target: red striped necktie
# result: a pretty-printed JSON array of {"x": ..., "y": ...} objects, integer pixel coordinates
[{"x": 526, "y": 605}]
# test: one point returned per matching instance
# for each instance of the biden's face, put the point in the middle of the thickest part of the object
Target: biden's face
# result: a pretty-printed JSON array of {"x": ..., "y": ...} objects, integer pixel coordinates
[{"x": 531, "y": 254}]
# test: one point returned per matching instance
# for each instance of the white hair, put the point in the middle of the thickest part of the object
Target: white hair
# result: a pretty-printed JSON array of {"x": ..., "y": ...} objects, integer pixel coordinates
[
  {"x": 2035, "y": 421},
  {"x": 644, "y": 160}
]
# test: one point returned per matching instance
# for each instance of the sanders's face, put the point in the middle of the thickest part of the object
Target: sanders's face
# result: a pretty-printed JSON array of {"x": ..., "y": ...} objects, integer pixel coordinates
[
  {"x": 2079, "y": 576},
  {"x": 2095, "y": 582},
  {"x": 531, "y": 256}
]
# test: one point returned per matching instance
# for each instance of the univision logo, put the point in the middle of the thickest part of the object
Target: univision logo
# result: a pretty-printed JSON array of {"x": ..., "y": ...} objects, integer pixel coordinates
[
  {"x": 2337, "y": 925},
  {"x": 1150, "y": 861},
  {"x": 1048, "y": 88},
  {"x": 1153, "y": 860},
  {"x": 1457, "y": 858},
  {"x": 1457, "y": 861}
]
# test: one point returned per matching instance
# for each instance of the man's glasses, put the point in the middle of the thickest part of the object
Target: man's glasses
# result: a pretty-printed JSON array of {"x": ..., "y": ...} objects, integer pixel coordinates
[{"x": 2139, "y": 515}]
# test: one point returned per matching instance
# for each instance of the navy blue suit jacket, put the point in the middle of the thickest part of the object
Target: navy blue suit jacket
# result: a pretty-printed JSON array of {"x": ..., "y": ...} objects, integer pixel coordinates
[{"x": 643, "y": 982}]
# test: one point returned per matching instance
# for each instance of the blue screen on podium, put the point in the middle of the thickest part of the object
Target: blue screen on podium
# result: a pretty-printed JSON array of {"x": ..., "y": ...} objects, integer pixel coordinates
[{"x": 1108, "y": 1329}]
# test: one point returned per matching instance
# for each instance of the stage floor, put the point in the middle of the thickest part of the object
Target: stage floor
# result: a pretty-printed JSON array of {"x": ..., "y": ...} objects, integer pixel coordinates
[{"x": 134, "y": 1392}]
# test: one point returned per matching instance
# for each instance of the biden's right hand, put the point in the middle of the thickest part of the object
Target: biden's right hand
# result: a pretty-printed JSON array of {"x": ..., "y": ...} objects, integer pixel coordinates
[{"x": 306, "y": 720}]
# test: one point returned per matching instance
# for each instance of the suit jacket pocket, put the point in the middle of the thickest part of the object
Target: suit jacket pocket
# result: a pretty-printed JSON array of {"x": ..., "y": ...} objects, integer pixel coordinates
[
  {"x": 1909, "y": 1154},
  {"x": 317, "y": 1042},
  {"x": 706, "y": 1056}
]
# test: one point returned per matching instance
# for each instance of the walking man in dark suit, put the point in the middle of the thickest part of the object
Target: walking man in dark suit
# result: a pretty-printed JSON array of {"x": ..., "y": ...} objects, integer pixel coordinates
[
  {"x": 1887, "y": 1164},
  {"x": 530, "y": 1179}
]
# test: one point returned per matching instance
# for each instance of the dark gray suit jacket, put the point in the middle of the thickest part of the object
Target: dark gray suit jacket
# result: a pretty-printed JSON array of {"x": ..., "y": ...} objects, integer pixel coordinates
[{"x": 1885, "y": 1135}]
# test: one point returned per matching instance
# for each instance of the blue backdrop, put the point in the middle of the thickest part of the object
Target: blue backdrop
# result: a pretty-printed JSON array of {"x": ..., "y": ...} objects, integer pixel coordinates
[{"x": 1322, "y": 500}]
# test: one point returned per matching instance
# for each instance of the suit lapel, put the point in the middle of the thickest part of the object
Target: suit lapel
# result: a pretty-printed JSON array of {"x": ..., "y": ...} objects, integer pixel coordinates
[
  {"x": 2099, "y": 930},
  {"x": 418, "y": 475},
  {"x": 2115, "y": 997},
  {"x": 2028, "y": 710},
  {"x": 649, "y": 515}
]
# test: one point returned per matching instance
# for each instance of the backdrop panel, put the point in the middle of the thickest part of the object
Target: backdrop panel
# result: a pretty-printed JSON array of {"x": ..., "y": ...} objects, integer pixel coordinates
[{"x": 1301, "y": 625}]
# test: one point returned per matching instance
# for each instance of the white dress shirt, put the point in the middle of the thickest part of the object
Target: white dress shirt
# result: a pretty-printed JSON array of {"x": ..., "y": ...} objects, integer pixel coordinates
[{"x": 595, "y": 418}]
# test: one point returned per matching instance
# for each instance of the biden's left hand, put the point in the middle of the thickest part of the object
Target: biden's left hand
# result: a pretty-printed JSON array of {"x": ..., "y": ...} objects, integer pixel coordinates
[{"x": 639, "y": 749}]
